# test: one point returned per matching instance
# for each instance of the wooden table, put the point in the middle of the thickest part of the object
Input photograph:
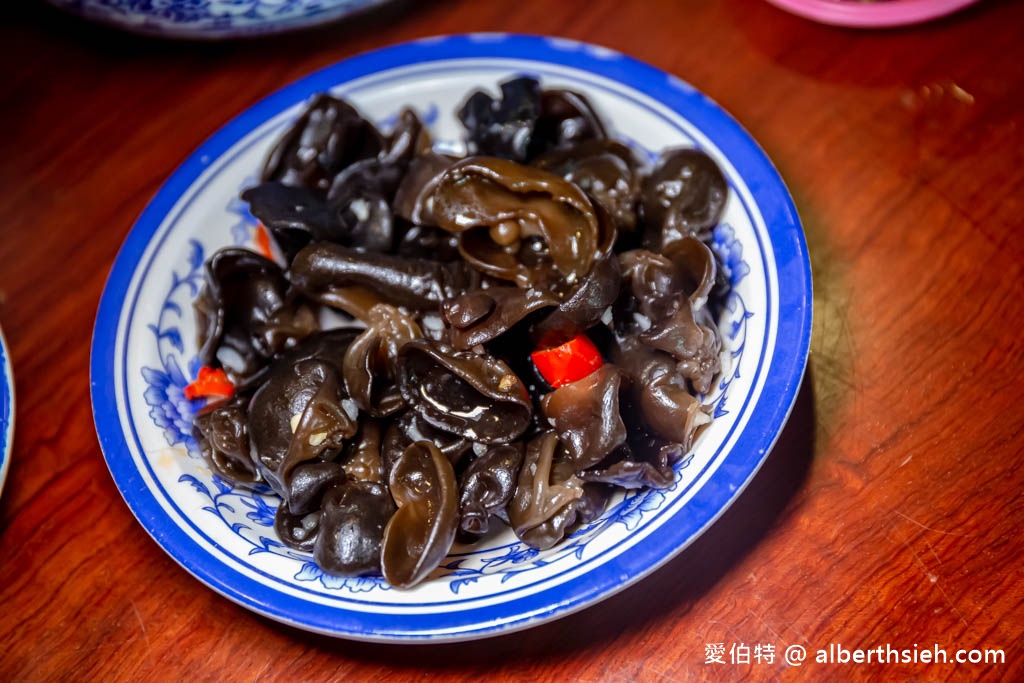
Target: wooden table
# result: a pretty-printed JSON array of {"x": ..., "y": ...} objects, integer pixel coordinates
[{"x": 889, "y": 513}]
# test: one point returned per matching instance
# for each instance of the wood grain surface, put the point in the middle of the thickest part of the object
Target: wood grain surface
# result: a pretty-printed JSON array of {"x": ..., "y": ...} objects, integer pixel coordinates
[{"x": 890, "y": 512}]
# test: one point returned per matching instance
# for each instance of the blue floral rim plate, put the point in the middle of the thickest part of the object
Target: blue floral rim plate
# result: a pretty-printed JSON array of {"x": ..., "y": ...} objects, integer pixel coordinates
[
  {"x": 6, "y": 409},
  {"x": 144, "y": 353},
  {"x": 214, "y": 19}
]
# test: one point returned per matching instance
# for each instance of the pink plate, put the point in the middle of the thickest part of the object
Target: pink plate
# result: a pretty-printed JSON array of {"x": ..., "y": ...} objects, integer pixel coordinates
[{"x": 872, "y": 14}]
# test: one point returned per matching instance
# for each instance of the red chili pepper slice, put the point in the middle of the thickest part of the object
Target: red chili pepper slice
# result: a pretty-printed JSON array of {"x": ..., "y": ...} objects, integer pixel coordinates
[
  {"x": 263, "y": 241},
  {"x": 210, "y": 382},
  {"x": 573, "y": 360}
]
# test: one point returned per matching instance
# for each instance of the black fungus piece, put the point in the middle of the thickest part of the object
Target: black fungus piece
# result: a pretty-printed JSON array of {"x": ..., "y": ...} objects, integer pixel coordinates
[
  {"x": 320, "y": 270},
  {"x": 486, "y": 486},
  {"x": 513, "y": 348},
  {"x": 295, "y": 216},
  {"x": 543, "y": 506},
  {"x": 664, "y": 307},
  {"x": 326, "y": 421},
  {"x": 421, "y": 532},
  {"x": 297, "y": 531},
  {"x": 585, "y": 414},
  {"x": 582, "y": 309},
  {"x": 653, "y": 281},
  {"x": 661, "y": 397},
  {"x": 591, "y": 504},
  {"x": 360, "y": 196},
  {"x": 645, "y": 462},
  {"x": 474, "y": 395},
  {"x": 632, "y": 474},
  {"x": 471, "y": 324},
  {"x": 247, "y": 313},
  {"x": 606, "y": 170},
  {"x": 301, "y": 410},
  {"x": 566, "y": 118},
  {"x": 494, "y": 205},
  {"x": 223, "y": 437},
  {"x": 370, "y": 365},
  {"x": 353, "y": 517},
  {"x": 692, "y": 339},
  {"x": 294, "y": 417},
  {"x": 328, "y": 136},
  {"x": 409, "y": 139},
  {"x": 468, "y": 309},
  {"x": 425, "y": 242},
  {"x": 592, "y": 501},
  {"x": 670, "y": 408},
  {"x": 697, "y": 269},
  {"x": 414, "y": 199},
  {"x": 684, "y": 195},
  {"x": 326, "y": 345},
  {"x": 357, "y": 209},
  {"x": 503, "y": 127},
  {"x": 363, "y": 459},
  {"x": 410, "y": 428},
  {"x": 308, "y": 483}
]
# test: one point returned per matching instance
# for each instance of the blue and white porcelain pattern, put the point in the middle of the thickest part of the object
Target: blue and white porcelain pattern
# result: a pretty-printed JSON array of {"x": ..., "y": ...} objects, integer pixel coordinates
[
  {"x": 6, "y": 409},
  {"x": 213, "y": 19},
  {"x": 144, "y": 354}
]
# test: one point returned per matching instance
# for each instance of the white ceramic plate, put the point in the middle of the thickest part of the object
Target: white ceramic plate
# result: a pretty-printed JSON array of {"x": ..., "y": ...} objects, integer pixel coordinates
[{"x": 144, "y": 354}]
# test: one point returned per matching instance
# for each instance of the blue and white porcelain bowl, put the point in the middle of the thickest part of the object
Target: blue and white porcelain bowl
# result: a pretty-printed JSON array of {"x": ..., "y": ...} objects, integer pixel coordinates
[
  {"x": 213, "y": 19},
  {"x": 144, "y": 353},
  {"x": 6, "y": 409}
]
